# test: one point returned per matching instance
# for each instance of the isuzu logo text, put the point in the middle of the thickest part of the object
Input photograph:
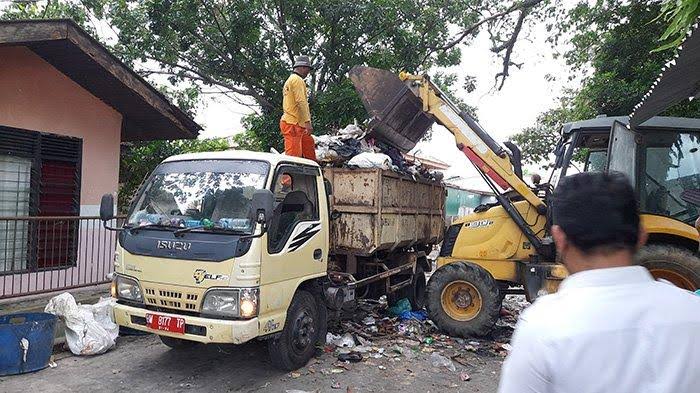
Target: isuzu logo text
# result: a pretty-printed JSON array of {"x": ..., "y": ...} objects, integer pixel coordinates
[{"x": 171, "y": 245}]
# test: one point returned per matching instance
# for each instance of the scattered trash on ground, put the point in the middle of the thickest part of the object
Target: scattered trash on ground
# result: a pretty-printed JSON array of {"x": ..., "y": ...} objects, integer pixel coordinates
[
  {"x": 440, "y": 361},
  {"x": 380, "y": 336},
  {"x": 89, "y": 327}
]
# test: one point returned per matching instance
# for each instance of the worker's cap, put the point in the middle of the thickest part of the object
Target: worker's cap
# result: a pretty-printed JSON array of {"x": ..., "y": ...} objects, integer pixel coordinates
[{"x": 303, "y": 61}]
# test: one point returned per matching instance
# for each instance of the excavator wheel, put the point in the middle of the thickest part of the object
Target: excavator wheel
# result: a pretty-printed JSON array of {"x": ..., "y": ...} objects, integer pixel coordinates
[
  {"x": 463, "y": 299},
  {"x": 677, "y": 265}
]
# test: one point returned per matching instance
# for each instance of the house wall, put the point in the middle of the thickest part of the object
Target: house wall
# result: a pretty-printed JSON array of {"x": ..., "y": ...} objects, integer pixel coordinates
[{"x": 36, "y": 96}]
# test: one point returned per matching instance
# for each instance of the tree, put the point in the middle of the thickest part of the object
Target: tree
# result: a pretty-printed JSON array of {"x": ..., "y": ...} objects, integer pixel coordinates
[
  {"x": 615, "y": 40},
  {"x": 244, "y": 49}
]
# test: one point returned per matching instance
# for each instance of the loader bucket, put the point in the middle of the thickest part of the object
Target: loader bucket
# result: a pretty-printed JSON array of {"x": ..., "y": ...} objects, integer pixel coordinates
[{"x": 396, "y": 114}]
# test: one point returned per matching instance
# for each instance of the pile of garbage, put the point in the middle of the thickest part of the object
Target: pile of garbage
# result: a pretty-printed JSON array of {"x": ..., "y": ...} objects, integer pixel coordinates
[
  {"x": 377, "y": 333},
  {"x": 352, "y": 147}
]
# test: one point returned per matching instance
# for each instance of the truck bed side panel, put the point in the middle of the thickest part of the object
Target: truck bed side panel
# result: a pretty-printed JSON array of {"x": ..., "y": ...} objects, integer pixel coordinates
[{"x": 382, "y": 210}]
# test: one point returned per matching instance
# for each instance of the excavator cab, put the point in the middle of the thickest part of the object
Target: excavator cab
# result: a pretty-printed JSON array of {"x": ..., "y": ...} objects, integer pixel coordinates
[{"x": 661, "y": 157}]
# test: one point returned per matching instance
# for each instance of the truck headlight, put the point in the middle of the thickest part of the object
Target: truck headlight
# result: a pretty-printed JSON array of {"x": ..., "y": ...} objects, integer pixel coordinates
[
  {"x": 234, "y": 303},
  {"x": 128, "y": 289},
  {"x": 249, "y": 302}
]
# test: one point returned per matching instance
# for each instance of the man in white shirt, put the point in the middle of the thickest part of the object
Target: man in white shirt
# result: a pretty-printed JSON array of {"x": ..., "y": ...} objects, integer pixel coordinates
[{"x": 610, "y": 327}]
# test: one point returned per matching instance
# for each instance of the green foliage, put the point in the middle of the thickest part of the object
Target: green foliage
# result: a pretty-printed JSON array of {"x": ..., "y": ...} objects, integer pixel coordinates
[
  {"x": 138, "y": 159},
  {"x": 52, "y": 10},
  {"x": 611, "y": 44},
  {"x": 679, "y": 15},
  {"x": 537, "y": 141}
]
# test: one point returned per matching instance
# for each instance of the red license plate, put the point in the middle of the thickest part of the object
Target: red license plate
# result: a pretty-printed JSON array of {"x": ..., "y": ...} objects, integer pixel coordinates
[{"x": 165, "y": 323}]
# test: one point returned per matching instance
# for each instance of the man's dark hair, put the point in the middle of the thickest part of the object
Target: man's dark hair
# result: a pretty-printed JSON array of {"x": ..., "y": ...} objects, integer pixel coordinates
[{"x": 597, "y": 211}]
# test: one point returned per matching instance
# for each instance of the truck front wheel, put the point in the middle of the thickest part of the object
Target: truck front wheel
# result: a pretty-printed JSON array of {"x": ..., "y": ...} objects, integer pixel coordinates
[
  {"x": 296, "y": 344},
  {"x": 463, "y": 299}
]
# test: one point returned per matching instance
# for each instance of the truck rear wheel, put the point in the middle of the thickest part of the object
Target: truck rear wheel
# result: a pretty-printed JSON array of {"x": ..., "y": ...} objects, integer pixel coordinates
[
  {"x": 463, "y": 299},
  {"x": 296, "y": 344},
  {"x": 415, "y": 293},
  {"x": 177, "y": 343},
  {"x": 677, "y": 265}
]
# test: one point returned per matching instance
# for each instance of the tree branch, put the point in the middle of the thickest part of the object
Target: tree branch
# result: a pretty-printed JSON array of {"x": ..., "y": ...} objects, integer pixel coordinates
[
  {"x": 524, "y": 7},
  {"x": 202, "y": 77},
  {"x": 282, "y": 24},
  {"x": 508, "y": 47}
]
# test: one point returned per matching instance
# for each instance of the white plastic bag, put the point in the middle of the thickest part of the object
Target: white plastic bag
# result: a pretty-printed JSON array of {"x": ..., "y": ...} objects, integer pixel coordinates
[
  {"x": 371, "y": 160},
  {"x": 89, "y": 328},
  {"x": 440, "y": 361},
  {"x": 351, "y": 131}
]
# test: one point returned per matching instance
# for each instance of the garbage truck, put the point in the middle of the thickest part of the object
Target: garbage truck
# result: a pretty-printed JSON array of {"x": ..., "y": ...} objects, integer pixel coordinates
[{"x": 234, "y": 246}]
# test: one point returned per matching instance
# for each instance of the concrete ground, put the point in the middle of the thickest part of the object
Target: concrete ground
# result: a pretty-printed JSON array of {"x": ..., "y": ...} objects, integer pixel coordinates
[{"x": 143, "y": 364}]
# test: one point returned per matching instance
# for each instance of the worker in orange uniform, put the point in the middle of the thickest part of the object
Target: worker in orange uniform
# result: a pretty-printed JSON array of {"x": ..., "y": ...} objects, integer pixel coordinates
[{"x": 295, "y": 124}]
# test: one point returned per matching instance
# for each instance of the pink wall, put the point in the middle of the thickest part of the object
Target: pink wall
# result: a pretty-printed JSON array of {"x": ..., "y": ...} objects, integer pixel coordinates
[{"x": 36, "y": 96}]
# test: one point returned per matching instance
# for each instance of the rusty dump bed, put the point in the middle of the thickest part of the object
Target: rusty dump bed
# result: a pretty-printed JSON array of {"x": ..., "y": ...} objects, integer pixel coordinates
[{"x": 382, "y": 210}]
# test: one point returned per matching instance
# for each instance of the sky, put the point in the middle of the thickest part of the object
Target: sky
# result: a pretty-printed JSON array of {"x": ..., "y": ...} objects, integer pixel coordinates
[{"x": 527, "y": 92}]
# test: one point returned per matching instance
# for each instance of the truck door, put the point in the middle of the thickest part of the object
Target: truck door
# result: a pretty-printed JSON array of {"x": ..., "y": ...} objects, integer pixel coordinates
[{"x": 297, "y": 237}]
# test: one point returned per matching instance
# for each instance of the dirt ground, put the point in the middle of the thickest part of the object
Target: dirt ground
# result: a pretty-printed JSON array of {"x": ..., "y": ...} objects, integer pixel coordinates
[
  {"x": 402, "y": 361},
  {"x": 143, "y": 364}
]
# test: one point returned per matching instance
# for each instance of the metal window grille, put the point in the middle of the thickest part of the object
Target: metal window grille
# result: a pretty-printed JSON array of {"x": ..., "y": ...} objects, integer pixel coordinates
[{"x": 39, "y": 176}]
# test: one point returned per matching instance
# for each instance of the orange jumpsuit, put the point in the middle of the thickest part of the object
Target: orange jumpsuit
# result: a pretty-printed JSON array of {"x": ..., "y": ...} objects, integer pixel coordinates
[{"x": 297, "y": 141}]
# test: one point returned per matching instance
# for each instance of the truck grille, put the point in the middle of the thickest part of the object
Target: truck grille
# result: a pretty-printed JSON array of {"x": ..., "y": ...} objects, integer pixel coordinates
[
  {"x": 448, "y": 243},
  {"x": 168, "y": 297}
]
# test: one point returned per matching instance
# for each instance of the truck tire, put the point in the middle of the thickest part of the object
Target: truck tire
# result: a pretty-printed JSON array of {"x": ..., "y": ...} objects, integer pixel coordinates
[
  {"x": 177, "y": 343},
  {"x": 297, "y": 343},
  {"x": 463, "y": 299},
  {"x": 677, "y": 265},
  {"x": 415, "y": 292}
]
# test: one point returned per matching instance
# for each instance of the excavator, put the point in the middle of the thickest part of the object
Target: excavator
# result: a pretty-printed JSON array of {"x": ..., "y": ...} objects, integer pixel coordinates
[{"x": 506, "y": 247}]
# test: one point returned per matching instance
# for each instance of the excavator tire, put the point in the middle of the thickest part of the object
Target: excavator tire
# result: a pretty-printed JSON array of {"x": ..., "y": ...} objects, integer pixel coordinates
[
  {"x": 677, "y": 265},
  {"x": 463, "y": 299}
]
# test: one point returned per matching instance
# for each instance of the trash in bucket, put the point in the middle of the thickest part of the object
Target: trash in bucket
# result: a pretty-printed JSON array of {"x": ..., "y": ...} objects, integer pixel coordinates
[{"x": 26, "y": 342}]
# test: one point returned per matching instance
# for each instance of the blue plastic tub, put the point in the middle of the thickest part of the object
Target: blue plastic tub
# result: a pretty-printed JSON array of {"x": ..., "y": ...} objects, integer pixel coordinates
[{"x": 38, "y": 330}]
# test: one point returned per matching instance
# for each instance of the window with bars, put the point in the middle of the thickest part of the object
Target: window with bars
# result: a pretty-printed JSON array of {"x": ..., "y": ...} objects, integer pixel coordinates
[{"x": 39, "y": 177}]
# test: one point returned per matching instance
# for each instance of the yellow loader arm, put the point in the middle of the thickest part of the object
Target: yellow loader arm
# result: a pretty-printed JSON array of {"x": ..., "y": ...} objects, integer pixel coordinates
[
  {"x": 403, "y": 108},
  {"x": 478, "y": 146}
]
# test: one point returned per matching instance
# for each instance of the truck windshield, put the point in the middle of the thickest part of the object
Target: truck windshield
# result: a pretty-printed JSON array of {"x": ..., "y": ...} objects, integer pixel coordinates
[
  {"x": 670, "y": 164},
  {"x": 204, "y": 194}
]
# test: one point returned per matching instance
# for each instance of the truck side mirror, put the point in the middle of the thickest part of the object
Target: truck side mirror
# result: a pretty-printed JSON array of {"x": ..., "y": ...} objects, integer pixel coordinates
[
  {"x": 263, "y": 201},
  {"x": 107, "y": 208}
]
